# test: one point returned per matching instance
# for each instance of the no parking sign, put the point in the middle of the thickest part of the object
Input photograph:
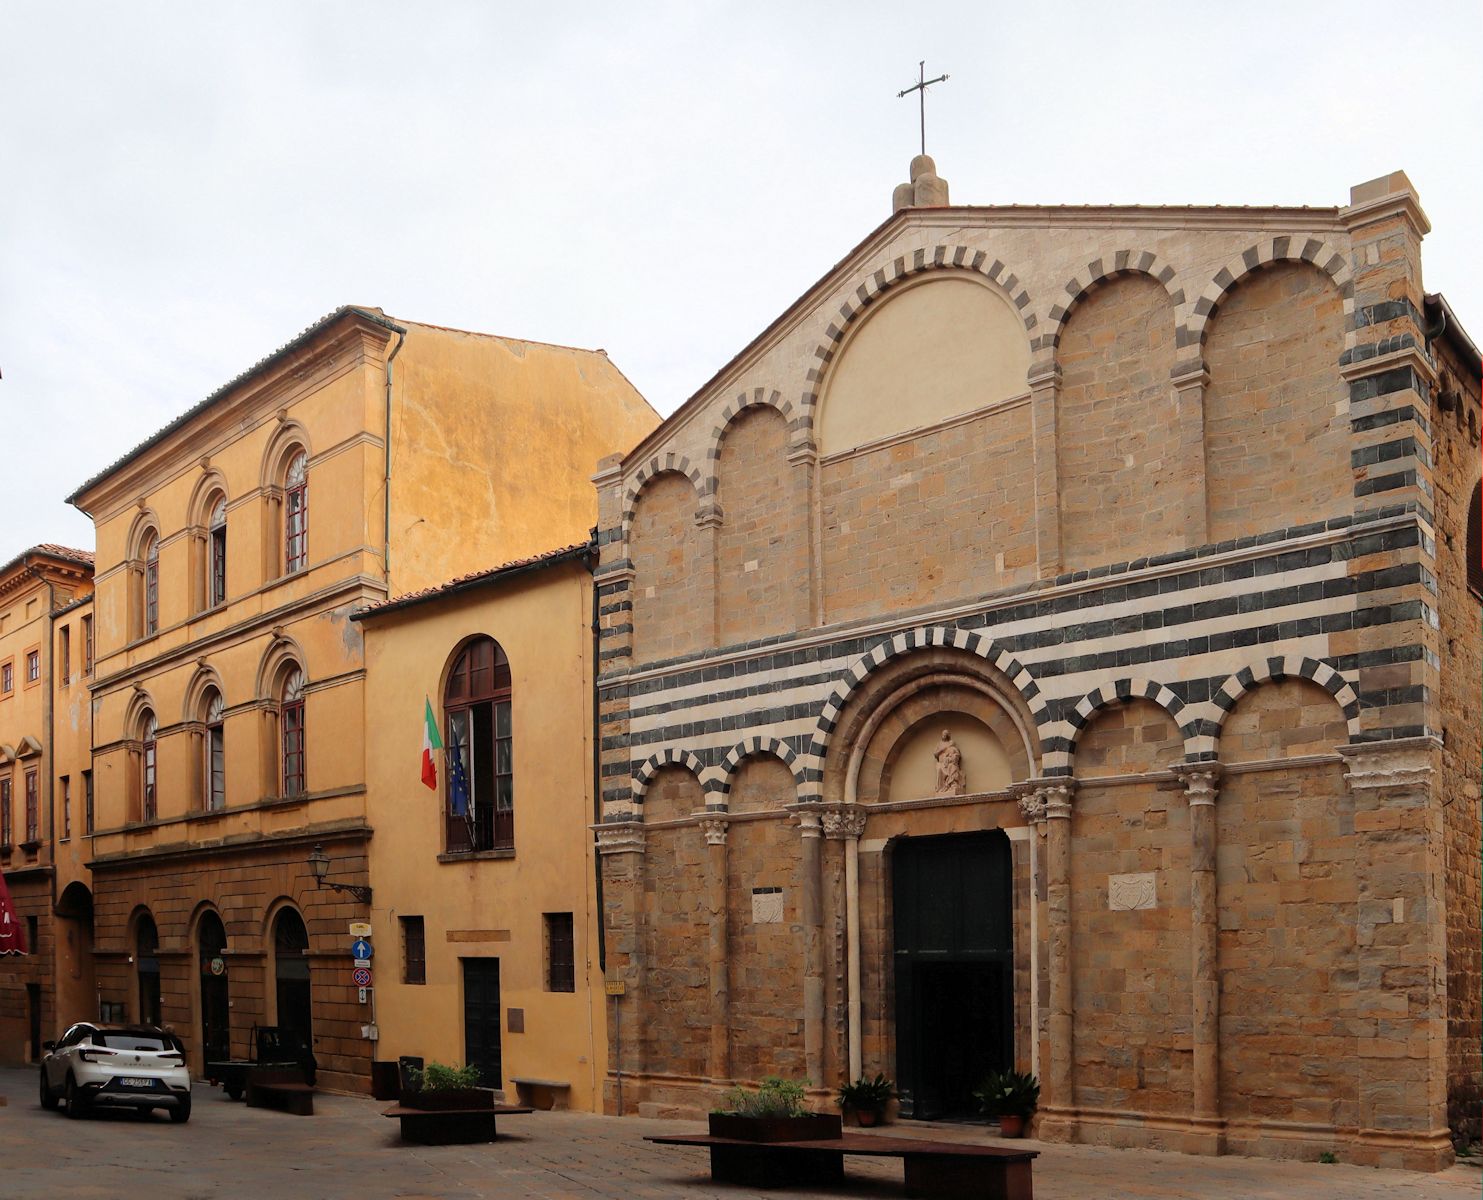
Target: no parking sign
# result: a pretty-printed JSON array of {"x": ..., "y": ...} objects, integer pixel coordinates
[{"x": 361, "y": 976}]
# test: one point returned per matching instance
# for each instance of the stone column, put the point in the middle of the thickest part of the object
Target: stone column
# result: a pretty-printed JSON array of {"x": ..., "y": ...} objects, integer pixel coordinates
[
  {"x": 1033, "y": 806},
  {"x": 1045, "y": 380},
  {"x": 812, "y": 911},
  {"x": 1056, "y": 796},
  {"x": 620, "y": 846},
  {"x": 718, "y": 913},
  {"x": 846, "y": 823},
  {"x": 1190, "y": 380},
  {"x": 1200, "y": 790},
  {"x": 807, "y": 601},
  {"x": 1401, "y": 942},
  {"x": 709, "y": 520}
]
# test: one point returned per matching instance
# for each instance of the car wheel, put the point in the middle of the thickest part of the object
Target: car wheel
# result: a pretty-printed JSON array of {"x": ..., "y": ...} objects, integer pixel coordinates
[
  {"x": 76, "y": 1105},
  {"x": 234, "y": 1091},
  {"x": 181, "y": 1113},
  {"x": 48, "y": 1097}
]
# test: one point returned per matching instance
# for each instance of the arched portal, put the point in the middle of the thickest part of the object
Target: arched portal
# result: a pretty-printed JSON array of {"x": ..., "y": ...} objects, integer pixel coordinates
[
  {"x": 216, "y": 1018},
  {"x": 77, "y": 992},
  {"x": 291, "y": 974},
  {"x": 147, "y": 967}
]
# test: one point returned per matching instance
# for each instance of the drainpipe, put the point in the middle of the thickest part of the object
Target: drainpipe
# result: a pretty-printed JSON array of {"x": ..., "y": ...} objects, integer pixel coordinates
[
  {"x": 386, "y": 482},
  {"x": 50, "y": 758},
  {"x": 602, "y": 927}
]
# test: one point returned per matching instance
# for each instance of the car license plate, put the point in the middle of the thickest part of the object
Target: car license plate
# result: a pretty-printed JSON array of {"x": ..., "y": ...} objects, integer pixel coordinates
[{"x": 134, "y": 1081}]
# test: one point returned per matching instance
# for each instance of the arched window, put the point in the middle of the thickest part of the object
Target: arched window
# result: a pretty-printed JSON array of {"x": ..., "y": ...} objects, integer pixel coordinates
[
  {"x": 151, "y": 608},
  {"x": 481, "y": 777},
  {"x": 214, "y": 769},
  {"x": 147, "y": 964},
  {"x": 1475, "y": 542},
  {"x": 149, "y": 808},
  {"x": 291, "y": 722},
  {"x": 216, "y": 555},
  {"x": 216, "y": 1004},
  {"x": 296, "y": 514}
]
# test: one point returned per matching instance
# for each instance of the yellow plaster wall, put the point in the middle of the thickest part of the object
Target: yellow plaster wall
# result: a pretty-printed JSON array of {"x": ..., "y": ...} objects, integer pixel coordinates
[
  {"x": 494, "y": 444},
  {"x": 543, "y": 623},
  {"x": 938, "y": 349}
]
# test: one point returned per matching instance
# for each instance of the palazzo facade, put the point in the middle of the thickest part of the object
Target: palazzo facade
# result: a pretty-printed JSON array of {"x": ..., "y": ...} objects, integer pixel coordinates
[{"x": 1158, "y": 517}]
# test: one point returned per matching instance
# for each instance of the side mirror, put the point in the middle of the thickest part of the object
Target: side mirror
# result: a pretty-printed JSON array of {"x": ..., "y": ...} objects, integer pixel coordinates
[{"x": 48, "y": 1045}]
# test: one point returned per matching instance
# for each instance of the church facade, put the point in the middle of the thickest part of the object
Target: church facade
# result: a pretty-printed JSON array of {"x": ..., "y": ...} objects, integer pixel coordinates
[{"x": 1046, "y": 646}]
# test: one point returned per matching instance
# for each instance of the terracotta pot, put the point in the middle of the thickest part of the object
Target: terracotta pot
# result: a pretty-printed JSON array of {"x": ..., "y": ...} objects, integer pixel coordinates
[
  {"x": 807, "y": 1128},
  {"x": 867, "y": 1117},
  {"x": 1011, "y": 1126}
]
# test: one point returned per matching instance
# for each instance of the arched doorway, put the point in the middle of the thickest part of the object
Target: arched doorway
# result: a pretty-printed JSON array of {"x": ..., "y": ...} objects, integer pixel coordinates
[
  {"x": 216, "y": 1027},
  {"x": 954, "y": 969},
  {"x": 147, "y": 967},
  {"x": 291, "y": 974},
  {"x": 77, "y": 992}
]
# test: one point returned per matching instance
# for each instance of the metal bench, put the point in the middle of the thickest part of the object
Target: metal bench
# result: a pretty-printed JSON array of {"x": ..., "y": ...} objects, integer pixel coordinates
[{"x": 956, "y": 1170}]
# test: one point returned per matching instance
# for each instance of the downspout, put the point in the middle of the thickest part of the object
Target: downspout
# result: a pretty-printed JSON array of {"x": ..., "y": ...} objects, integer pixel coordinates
[
  {"x": 386, "y": 481},
  {"x": 51, "y": 748},
  {"x": 602, "y": 925}
]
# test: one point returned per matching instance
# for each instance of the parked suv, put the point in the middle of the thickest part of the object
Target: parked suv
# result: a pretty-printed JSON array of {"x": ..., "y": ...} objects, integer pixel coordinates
[{"x": 124, "y": 1066}]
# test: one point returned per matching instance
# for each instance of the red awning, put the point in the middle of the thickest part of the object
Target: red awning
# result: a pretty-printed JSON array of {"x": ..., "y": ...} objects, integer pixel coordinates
[{"x": 12, "y": 933}]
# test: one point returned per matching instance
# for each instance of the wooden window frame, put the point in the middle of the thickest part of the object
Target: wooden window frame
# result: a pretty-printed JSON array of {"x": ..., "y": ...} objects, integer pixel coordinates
[
  {"x": 296, "y": 515},
  {"x": 33, "y": 666},
  {"x": 33, "y": 809},
  {"x": 151, "y": 585},
  {"x": 88, "y": 814},
  {"x": 87, "y": 644},
  {"x": 216, "y": 556},
  {"x": 214, "y": 766},
  {"x": 293, "y": 756},
  {"x": 561, "y": 952},
  {"x": 149, "y": 769},
  {"x": 414, "y": 950},
  {"x": 7, "y": 814},
  {"x": 7, "y": 678},
  {"x": 479, "y": 688},
  {"x": 64, "y": 653},
  {"x": 66, "y": 781}
]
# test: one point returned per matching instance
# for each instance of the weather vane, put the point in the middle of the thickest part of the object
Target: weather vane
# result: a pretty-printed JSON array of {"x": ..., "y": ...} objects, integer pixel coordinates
[{"x": 920, "y": 87}]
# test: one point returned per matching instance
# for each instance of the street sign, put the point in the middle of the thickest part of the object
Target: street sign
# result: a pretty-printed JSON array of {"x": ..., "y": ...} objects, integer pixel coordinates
[
  {"x": 613, "y": 987},
  {"x": 362, "y": 977},
  {"x": 360, "y": 929},
  {"x": 363, "y": 992},
  {"x": 361, "y": 948}
]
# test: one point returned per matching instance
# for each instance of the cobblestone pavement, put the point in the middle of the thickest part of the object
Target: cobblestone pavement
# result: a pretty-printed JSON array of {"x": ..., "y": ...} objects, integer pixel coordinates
[{"x": 346, "y": 1151}]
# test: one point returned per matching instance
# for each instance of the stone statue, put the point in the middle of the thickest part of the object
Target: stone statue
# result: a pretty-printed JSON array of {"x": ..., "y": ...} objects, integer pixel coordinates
[{"x": 950, "y": 778}]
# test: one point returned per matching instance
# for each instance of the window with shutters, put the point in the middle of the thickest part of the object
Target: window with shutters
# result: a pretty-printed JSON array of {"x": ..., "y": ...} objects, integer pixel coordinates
[
  {"x": 7, "y": 829},
  {"x": 87, "y": 645},
  {"x": 87, "y": 803},
  {"x": 64, "y": 653},
  {"x": 479, "y": 783},
  {"x": 561, "y": 964},
  {"x": 33, "y": 808}
]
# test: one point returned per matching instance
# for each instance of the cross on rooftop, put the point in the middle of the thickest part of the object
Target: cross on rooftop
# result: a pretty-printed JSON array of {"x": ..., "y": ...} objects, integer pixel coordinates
[{"x": 920, "y": 87}]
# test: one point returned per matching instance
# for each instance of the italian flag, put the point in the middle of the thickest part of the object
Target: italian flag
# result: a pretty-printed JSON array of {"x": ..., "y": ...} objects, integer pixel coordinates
[{"x": 430, "y": 742}]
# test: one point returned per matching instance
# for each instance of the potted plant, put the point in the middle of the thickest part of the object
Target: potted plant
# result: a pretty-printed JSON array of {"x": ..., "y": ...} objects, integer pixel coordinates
[
  {"x": 773, "y": 1113},
  {"x": 1011, "y": 1097},
  {"x": 438, "y": 1087},
  {"x": 867, "y": 1098}
]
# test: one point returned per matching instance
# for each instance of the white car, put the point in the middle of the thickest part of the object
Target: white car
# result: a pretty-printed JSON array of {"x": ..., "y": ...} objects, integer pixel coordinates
[{"x": 123, "y": 1066}]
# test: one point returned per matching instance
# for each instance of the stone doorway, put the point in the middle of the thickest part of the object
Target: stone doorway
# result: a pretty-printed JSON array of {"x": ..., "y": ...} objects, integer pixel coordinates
[
  {"x": 954, "y": 969},
  {"x": 481, "y": 1017}
]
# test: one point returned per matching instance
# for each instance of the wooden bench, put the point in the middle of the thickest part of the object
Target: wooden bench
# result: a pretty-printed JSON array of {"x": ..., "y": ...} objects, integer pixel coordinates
[
  {"x": 956, "y": 1170},
  {"x": 280, "y": 1087},
  {"x": 450, "y": 1126},
  {"x": 534, "y": 1091}
]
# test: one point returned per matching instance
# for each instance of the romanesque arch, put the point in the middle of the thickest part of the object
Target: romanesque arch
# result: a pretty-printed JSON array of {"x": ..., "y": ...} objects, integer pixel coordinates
[
  {"x": 669, "y": 757},
  {"x": 673, "y": 581},
  {"x": 1319, "y": 253},
  {"x": 760, "y": 397},
  {"x": 1230, "y": 692},
  {"x": 1061, "y": 759},
  {"x": 1098, "y": 273},
  {"x": 752, "y": 747}
]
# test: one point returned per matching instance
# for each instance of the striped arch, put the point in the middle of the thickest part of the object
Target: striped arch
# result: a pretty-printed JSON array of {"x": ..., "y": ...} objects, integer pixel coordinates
[
  {"x": 1268, "y": 669},
  {"x": 721, "y": 785},
  {"x": 1060, "y": 751},
  {"x": 937, "y": 258},
  {"x": 1103, "y": 270},
  {"x": 665, "y": 758},
  {"x": 756, "y": 398},
  {"x": 657, "y": 465},
  {"x": 922, "y": 638},
  {"x": 1321, "y": 254}
]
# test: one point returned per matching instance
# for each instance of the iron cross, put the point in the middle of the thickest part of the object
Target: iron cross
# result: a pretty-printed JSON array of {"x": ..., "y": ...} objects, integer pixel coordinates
[{"x": 921, "y": 86}]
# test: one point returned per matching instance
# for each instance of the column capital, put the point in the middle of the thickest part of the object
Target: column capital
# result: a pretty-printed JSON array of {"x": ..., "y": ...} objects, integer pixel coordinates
[
  {"x": 709, "y": 516},
  {"x": 1403, "y": 764},
  {"x": 714, "y": 828},
  {"x": 620, "y": 837},
  {"x": 1043, "y": 375},
  {"x": 843, "y": 821},
  {"x": 1190, "y": 374},
  {"x": 1053, "y": 795},
  {"x": 1031, "y": 802},
  {"x": 807, "y": 817},
  {"x": 1200, "y": 781},
  {"x": 803, "y": 454}
]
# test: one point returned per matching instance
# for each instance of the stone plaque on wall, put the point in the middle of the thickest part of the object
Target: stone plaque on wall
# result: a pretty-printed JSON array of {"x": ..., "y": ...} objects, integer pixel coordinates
[
  {"x": 767, "y": 906},
  {"x": 1126, "y": 892}
]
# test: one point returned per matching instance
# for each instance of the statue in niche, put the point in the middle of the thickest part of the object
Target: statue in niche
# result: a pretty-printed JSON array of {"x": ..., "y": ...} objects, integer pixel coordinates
[{"x": 950, "y": 778}]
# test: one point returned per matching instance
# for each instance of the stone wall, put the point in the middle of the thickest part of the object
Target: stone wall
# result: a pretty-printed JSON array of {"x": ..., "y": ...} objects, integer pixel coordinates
[
  {"x": 31, "y": 898},
  {"x": 675, "y": 615}
]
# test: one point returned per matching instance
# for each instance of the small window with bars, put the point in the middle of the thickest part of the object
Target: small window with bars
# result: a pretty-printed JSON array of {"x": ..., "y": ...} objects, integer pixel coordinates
[
  {"x": 561, "y": 967},
  {"x": 33, "y": 808},
  {"x": 414, "y": 950}
]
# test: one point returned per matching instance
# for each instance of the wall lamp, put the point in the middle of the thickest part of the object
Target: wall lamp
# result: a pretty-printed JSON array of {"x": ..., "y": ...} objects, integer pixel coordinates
[{"x": 319, "y": 863}]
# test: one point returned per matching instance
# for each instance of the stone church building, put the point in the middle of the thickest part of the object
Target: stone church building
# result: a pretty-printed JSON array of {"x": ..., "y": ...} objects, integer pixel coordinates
[{"x": 1052, "y": 643}]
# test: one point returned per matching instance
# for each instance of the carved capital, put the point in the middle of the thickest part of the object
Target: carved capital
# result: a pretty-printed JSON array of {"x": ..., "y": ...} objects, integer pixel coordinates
[
  {"x": 845, "y": 821},
  {"x": 709, "y": 516},
  {"x": 1200, "y": 781},
  {"x": 1055, "y": 795},
  {"x": 620, "y": 837},
  {"x": 1032, "y": 805},
  {"x": 1403, "y": 765},
  {"x": 807, "y": 816},
  {"x": 714, "y": 829}
]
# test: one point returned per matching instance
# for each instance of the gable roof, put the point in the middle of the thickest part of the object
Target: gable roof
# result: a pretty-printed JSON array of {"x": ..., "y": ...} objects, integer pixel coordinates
[{"x": 581, "y": 552}]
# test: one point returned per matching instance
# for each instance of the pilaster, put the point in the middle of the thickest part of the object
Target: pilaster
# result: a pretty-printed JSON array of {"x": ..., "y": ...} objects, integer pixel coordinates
[
  {"x": 1045, "y": 382},
  {"x": 1189, "y": 382},
  {"x": 1200, "y": 789},
  {"x": 812, "y": 912},
  {"x": 718, "y": 919}
]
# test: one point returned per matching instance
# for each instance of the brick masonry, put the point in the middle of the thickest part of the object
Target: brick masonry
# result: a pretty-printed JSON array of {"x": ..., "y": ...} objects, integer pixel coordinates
[{"x": 1199, "y": 560}]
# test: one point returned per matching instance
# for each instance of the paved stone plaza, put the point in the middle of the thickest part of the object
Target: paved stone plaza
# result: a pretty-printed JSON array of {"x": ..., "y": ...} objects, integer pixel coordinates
[{"x": 347, "y": 1151}]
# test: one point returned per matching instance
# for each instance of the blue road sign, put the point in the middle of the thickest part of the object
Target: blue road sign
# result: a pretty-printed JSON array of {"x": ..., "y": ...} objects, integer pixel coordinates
[{"x": 361, "y": 948}]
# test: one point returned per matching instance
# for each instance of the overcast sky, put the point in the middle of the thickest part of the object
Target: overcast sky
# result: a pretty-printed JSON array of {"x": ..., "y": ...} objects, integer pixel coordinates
[{"x": 184, "y": 187}]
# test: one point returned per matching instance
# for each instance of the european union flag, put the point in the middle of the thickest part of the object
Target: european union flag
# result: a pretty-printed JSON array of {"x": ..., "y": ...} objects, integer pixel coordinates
[{"x": 458, "y": 773}]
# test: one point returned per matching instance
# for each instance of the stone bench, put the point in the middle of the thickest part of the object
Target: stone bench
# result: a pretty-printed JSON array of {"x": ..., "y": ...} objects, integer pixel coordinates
[
  {"x": 955, "y": 1170},
  {"x": 533, "y": 1091}
]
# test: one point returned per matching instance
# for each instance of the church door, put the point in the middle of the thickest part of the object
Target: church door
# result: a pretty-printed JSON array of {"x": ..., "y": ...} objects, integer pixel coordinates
[
  {"x": 481, "y": 1012},
  {"x": 954, "y": 952}
]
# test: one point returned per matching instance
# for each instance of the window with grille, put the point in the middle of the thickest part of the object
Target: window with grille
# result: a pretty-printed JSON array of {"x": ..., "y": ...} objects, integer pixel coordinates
[
  {"x": 561, "y": 968},
  {"x": 151, "y": 585},
  {"x": 215, "y": 766},
  {"x": 148, "y": 807},
  {"x": 33, "y": 808},
  {"x": 293, "y": 733},
  {"x": 414, "y": 950},
  {"x": 216, "y": 591},
  {"x": 296, "y": 515},
  {"x": 479, "y": 750}
]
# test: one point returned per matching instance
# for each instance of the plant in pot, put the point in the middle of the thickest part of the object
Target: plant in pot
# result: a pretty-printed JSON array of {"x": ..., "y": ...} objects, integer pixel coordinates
[
  {"x": 867, "y": 1098},
  {"x": 439, "y": 1086},
  {"x": 1011, "y": 1097},
  {"x": 773, "y": 1113}
]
